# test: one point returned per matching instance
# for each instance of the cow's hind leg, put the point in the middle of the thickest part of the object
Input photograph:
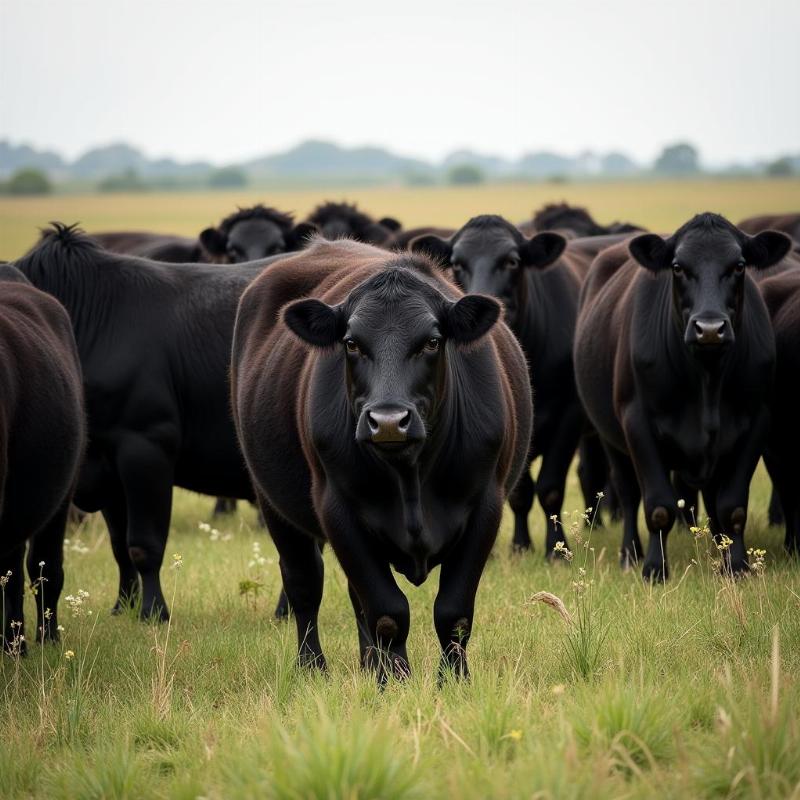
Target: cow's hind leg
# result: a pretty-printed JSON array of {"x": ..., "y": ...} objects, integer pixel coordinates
[
  {"x": 521, "y": 502},
  {"x": 147, "y": 475},
  {"x": 552, "y": 477},
  {"x": 115, "y": 514},
  {"x": 629, "y": 494},
  {"x": 46, "y": 572},
  {"x": 12, "y": 581},
  {"x": 302, "y": 571}
]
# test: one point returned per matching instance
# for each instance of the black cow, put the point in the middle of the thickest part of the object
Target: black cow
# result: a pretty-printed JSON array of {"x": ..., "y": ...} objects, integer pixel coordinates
[
  {"x": 539, "y": 284},
  {"x": 572, "y": 220},
  {"x": 154, "y": 343},
  {"x": 782, "y": 296},
  {"x": 787, "y": 223},
  {"x": 344, "y": 220},
  {"x": 674, "y": 357},
  {"x": 42, "y": 433},
  {"x": 249, "y": 234},
  {"x": 391, "y": 417}
]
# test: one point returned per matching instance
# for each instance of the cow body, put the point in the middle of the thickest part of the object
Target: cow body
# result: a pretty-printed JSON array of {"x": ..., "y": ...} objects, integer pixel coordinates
[
  {"x": 42, "y": 434},
  {"x": 154, "y": 344},
  {"x": 782, "y": 296},
  {"x": 674, "y": 367},
  {"x": 332, "y": 463}
]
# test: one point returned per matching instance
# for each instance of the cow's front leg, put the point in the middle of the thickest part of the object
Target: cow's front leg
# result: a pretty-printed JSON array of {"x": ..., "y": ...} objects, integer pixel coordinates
[
  {"x": 458, "y": 584},
  {"x": 660, "y": 506},
  {"x": 386, "y": 617}
]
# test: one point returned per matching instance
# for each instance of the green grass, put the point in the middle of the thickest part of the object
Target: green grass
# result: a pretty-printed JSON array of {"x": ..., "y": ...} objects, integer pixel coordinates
[{"x": 685, "y": 696}]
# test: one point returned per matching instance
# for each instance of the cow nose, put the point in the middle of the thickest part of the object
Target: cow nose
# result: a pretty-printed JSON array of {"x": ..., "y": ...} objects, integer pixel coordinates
[
  {"x": 709, "y": 331},
  {"x": 388, "y": 425}
]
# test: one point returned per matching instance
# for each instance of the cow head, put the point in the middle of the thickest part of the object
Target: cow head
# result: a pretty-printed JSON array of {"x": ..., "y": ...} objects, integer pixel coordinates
[
  {"x": 394, "y": 331},
  {"x": 489, "y": 255},
  {"x": 344, "y": 220},
  {"x": 707, "y": 259},
  {"x": 254, "y": 233}
]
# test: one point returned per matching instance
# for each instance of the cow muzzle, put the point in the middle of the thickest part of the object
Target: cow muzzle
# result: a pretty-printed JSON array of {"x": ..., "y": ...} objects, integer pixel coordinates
[
  {"x": 709, "y": 332},
  {"x": 390, "y": 428}
]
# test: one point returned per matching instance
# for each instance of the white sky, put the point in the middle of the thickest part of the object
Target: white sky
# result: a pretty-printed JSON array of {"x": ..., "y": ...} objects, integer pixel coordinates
[{"x": 231, "y": 80}]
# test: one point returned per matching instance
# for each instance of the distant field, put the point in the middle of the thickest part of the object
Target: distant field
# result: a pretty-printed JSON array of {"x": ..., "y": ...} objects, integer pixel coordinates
[{"x": 661, "y": 205}]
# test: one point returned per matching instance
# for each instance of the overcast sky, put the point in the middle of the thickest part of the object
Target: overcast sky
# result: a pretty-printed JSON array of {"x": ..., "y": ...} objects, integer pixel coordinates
[{"x": 230, "y": 80}]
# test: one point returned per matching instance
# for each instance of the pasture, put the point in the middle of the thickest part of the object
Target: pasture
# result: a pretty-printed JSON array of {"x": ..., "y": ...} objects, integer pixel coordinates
[{"x": 630, "y": 690}]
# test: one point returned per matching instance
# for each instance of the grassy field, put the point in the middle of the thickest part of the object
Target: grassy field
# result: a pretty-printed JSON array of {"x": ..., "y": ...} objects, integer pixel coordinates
[
  {"x": 659, "y": 205},
  {"x": 690, "y": 689}
]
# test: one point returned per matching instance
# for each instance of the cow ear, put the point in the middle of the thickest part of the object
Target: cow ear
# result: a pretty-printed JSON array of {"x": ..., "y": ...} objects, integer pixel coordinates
[
  {"x": 315, "y": 322},
  {"x": 471, "y": 318},
  {"x": 391, "y": 223},
  {"x": 542, "y": 250},
  {"x": 766, "y": 248},
  {"x": 651, "y": 251},
  {"x": 437, "y": 248},
  {"x": 299, "y": 235},
  {"x": 214, "y": 241}
]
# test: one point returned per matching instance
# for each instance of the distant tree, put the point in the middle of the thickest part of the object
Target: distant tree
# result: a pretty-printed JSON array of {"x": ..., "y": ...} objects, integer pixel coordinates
[
  {"x": 28, "y": 181},
  {"x": 127, "y": 181},
  {"x": 678, "y": 159},
  {"x": 465, "y": 174},
  {"x": 227, "y": 178},
  {"x": 780, "y": 168}
]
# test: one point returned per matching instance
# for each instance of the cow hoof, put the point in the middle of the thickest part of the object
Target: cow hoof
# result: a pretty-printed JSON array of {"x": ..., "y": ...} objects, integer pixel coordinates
[
  {"x": 518, "y": 548},
  {"x": 659, "y": 518},
  {"x": 157, "y": 614},
  {"x": 655, "y": 571}
]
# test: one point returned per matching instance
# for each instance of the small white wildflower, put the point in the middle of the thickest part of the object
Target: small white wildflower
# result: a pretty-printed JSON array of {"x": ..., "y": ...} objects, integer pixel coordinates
[
  {"x": 41, "y": 563},
  {"x": 69, "y": 655},
  {"x": 681, "y": 503},
  {"x": 177, "y": 561}
]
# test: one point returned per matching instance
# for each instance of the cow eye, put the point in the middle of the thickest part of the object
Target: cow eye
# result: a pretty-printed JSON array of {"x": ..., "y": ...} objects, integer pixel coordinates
[
  {"x": 432, "y": 345},
  {"x": 739, "y": 268},
  {"x": 677, "y": 269},
  {"x": 351, "y": 346},
  {"x": 512, "y": 263}
]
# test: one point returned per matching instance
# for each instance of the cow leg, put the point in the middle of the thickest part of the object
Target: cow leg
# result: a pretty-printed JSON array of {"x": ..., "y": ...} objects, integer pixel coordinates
[
  {"x": 521, "y": 502},
  {"x": 733, "y": 493},
  {"x": 657, "y": 492},
  {"x": 385, "y": 607},
  {"x": 366, "y": 644},
  {"x": 303, "y": 572},
  {"x": 629, "y": 495},
  {"x": 147, "y": 475},
  {"x": 454, "y": 608},
  {"x": 12, "y": 571},
  {"x": 592, "y": 473},
  {"x": 115, "y": 514},
  {"x": 552, "y": 476},
  {"x": 46, "y": 548},
  {"x": 224, "y": 505},
  {"x": 776, "y": 516},
  {"x": 786, "y": 487}
]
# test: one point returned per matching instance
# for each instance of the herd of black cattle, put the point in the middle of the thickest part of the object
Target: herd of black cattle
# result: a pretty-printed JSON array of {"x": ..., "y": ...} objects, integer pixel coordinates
[{"x": 374, "y": 388}]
